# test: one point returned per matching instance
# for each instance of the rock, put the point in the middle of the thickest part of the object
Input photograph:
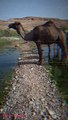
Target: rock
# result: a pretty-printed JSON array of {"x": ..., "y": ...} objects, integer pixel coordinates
[
  {"x": 31, "y": 103},
  {"x": 31, "y": 68},
  {"x": 52, "y": 113},
  {"x": 17, "y": 45},
  {"x": 19, "y": 58},
  {"x": 16, "y": 77},
  {"x": 14, "y": 88},
  {"x": 1, "y": 110}
]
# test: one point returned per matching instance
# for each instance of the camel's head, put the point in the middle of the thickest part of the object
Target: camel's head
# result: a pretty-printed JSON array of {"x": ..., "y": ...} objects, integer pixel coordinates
[
  {"x": 18, "y": 27},
  {"x": 14, "y": 25}
]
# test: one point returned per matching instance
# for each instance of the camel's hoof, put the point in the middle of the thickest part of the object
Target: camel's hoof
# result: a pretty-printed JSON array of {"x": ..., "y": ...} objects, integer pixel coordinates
[{"x": 39, "y": 63}]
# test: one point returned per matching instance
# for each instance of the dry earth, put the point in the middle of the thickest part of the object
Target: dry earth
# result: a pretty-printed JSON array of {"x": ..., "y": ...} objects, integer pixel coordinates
[
  {"x": 30, "y": 22},
  {"x": 33, "y": 95}
]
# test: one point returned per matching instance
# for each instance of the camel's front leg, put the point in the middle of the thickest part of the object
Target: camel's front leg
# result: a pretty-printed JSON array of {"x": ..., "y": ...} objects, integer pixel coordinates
[{"x": 39, "y": 52}]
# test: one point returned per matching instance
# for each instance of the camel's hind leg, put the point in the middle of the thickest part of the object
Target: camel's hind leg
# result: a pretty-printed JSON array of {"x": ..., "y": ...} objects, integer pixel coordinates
[
  {"x": 63, "y": 50},
  {"x": 56, "y": 51},
  {"x": 49, "y": 50}
]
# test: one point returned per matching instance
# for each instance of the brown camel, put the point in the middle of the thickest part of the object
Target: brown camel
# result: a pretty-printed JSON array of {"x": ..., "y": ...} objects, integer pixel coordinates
[{"x": 47, "y": 33}]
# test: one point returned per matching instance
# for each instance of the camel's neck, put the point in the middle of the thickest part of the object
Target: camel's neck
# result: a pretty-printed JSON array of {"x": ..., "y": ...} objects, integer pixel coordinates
[
  {"x": 28, "y": 36},
  {"x": 21, "y": 31}
]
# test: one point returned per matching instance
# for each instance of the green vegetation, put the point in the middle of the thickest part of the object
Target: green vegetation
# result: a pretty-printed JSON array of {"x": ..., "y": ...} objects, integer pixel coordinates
[
  {"x": 64, "y": 28},
  {"x": 59, "y": 74},
  {"x": 4, "y": 42},
  {"x": 5, "y": 86},
  {"x": 8, "y": 33}
]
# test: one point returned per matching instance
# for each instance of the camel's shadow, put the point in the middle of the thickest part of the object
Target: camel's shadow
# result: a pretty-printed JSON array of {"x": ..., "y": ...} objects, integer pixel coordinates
[
  {"x": 27, "y": 62},
  {"x": 30, "y": 58}
]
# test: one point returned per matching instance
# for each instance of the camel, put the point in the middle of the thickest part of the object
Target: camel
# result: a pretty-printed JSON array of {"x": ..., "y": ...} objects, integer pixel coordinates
[{"x": 47, "y": 33}]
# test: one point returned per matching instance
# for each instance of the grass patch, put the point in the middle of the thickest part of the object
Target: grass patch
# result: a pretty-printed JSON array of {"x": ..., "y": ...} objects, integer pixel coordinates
[
  {"x": 4, "y": 42},
  {"x": 64, "y": 28},
  {"x": 5, "y": 85},
  {"x": 8, "y": 33},
  {"x": 59, "y": 73}
]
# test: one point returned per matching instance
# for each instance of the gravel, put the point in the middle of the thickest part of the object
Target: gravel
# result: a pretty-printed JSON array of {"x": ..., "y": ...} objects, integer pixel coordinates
[{"x": 33, "y": 96}]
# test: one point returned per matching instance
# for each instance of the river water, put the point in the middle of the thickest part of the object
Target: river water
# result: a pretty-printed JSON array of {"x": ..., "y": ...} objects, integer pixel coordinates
[{"x": 8, "y": 60}]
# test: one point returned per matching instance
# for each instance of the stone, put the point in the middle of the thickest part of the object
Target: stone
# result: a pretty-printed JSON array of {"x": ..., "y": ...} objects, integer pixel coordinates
[
  {"x": 19, "y": 58},
  {"x": 14, "y": 88},
  {"x": 52, "y": 113}
]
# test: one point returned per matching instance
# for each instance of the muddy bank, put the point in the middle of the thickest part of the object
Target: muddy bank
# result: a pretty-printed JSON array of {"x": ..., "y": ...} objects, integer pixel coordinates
[{"x": 33, "y": 94}]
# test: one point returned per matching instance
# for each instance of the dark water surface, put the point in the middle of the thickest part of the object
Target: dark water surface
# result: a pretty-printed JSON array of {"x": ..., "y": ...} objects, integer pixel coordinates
[{"x": 8, "y": 60}]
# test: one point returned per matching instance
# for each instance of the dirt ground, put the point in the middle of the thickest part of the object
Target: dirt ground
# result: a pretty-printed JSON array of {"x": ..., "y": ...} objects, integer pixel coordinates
[{"x": 33, "y": 96}]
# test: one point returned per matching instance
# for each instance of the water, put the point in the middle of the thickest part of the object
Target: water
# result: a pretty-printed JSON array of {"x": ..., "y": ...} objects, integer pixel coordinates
[
  {"x": 8, "y": 60},
  {"x": 45, "y": 52}
]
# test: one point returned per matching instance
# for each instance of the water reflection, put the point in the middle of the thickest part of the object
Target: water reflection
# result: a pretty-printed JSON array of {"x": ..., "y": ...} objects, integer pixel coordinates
[{"x": 53, "y": 54}]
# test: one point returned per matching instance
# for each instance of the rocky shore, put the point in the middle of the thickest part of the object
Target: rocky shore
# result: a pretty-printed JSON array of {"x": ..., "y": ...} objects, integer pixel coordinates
[{"x": 33, "y": 96}]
